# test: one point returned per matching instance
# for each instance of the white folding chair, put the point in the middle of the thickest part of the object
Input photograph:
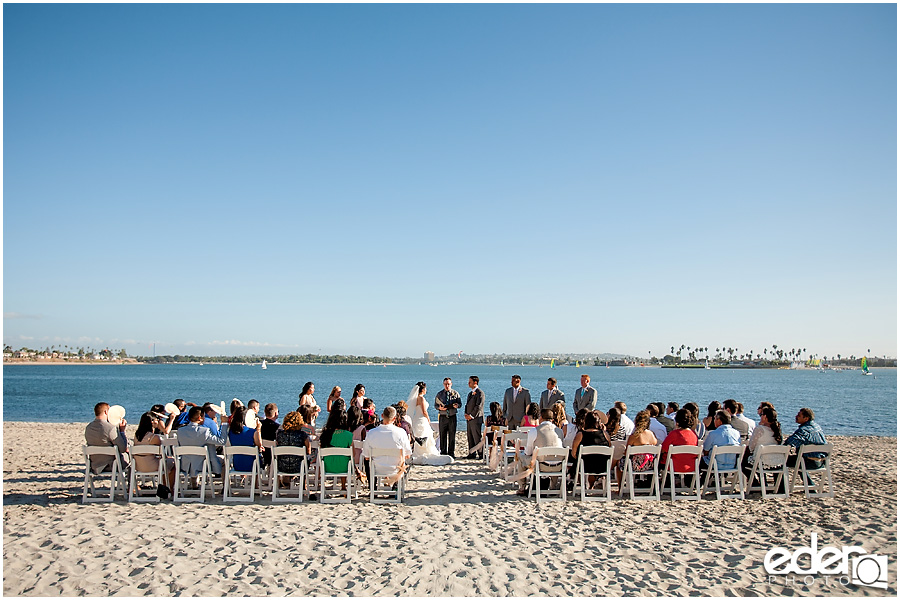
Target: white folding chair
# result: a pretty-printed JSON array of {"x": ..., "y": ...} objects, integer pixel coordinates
[
  {"x": 721, "y": 474},
  {"x": 265, "y": 473},
  {"x": 550, "y": 462},
  {"x": 629, "y": 474},
  {"x": 605, "y": 477},
  {"x": 154, "y": 478},
  {"x": 770, "y": 460},
  {"x": 231, "y": 492},
  {"x": 360, "y": 463},
  {"x": 117, "y": 480},
  {"x": 298, "y": 480},
  {"x": 183, "y": 477},
  {"x": 670, "y": 476},
  {"x": 312, "y": 464},
  {"x": 336, "y": 495},
  {"x": 803, "y": 473},
  {"x": 378, "y": 476},
  {"x": 511, "y": 444}
]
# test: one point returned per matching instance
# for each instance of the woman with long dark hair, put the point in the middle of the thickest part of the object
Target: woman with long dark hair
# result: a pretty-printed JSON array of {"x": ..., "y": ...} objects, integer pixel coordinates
[
  {"x": 711, "y": 410},
  {"x": 146, "y": 435},
  {"x": 767, "y": 433},
  {"x": 241, "y": 435},
  {"x": 614, "y": 426},
  {"x": 359, "y": 394}
]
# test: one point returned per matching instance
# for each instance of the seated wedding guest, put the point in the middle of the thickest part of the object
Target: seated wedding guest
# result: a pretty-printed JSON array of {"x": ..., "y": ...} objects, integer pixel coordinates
[
  {"x": 209, "y": 418},
  {"x": 241, "y": 435},
  {"x": 698, "y": 427},
  {"x": 181, "y": 419},
  {"x": 744, "y": 425},
  {"x": 100, "y": 432},
  {"x": 723, "y": 435},
  {"x": 494, "y": 419},
  {"x": 532, "y": 415},
  {"x": 402, "y": 423},
  {"x": 402, "y": 405},
  {"x": 682, "y": 435},
  {"x": 334, "y": 395},
  {"x": 626, "y": 421},
  {"x": 368, "y": 404},
  {"x": 659, "y": 430},
  {"x": 671, "y": 409},
  {"x": 641, "y": 436},
  {"x": 145, "y": 436},
  {"x": 562, "y": 423},
  {"x": 544, "y": 435},
  {"x": 711, "y": 410},
  {"x": 614, "y": 426},
  {"x": 235, "y": 404},
  {"x": 667, "y": 422},
  {"x": 767, "y": 433},
  {"x": 359, "y": 395},
  {"x": 763, "y": 405},
  {"x": 159, "y": 411},
  {"x": 254, "y": 406},
  {"x": 291, "y": 434},
  {"x": 387, "y": 436},
  {"x": 808, "y": 432},
  {"x": 268, "y": 429},
  {"x": 195, "y": 434},
  {"x": 336, "y": 435},
  {"x": 592, "y": 434}
]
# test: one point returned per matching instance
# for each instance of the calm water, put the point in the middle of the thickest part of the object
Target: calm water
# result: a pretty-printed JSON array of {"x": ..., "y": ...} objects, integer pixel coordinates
[{"x": 845, "y": 403}]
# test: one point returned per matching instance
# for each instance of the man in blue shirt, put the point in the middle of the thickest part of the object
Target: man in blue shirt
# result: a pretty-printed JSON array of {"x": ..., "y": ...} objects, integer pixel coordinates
[
  {"x": 182, "y": 419},
  {"x": 209, "y": 419},
  {"x": 809, "y": 432},
  {"x": 723, "y": 435}
]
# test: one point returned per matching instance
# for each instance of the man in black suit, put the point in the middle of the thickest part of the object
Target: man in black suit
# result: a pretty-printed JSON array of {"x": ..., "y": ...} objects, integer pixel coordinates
[
  {"x": 474, "y": 416},
  {"x": 447, "y": 401}
]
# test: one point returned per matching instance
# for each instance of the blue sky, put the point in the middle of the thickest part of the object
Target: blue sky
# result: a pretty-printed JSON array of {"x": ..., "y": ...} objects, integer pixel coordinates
[{"x": 488, "y": 178}]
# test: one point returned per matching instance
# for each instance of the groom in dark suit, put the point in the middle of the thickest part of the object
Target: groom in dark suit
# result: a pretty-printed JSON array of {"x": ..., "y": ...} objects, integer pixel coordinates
[{"x": 474, "y": 416}]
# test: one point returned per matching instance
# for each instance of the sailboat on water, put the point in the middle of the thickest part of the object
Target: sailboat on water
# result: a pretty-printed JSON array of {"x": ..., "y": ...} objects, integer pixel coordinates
[
  {"x": 865, "y": 367},
  {"x": 264, "y": 364},
  {"x": 706, "y": 364}
]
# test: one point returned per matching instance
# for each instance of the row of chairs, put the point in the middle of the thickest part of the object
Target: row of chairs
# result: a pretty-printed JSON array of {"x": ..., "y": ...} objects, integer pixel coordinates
[
  {"x": 237, "y": 485},
  {"x": 769, "y": 471}
]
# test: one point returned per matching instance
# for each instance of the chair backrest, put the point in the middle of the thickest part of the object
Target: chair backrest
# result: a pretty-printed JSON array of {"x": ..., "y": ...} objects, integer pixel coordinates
[
  {"x": 336, "y": 452},
  {"x": 642, "y": 450},
  {"x": 191, "y": 451},
  {"x": 358, "y": 444},
  {"x": 543, "y": 454},
  {"x": 104, "y": 450},
  {"x": 146, "y": 449},
  {"x": 825, "y": 449},
  {"x": 588, "y": 450},
  {"x": 373, "y": 452},
  {"x": 772, "y": 450},
  {"x": 288, "y": 451},
  {"x": 242, "y": 450},
  {"x": 695, "y": 450},
  {"x": 721, "y": 451},
  {"x": 270, "y": 444}
]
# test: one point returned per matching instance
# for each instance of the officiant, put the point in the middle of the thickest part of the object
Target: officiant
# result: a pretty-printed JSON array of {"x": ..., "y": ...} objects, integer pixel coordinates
[{"x": 447, "y": 401}]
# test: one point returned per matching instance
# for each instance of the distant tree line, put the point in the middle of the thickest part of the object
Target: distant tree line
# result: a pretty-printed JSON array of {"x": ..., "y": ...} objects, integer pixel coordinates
[{"x": 255, "y": 358}]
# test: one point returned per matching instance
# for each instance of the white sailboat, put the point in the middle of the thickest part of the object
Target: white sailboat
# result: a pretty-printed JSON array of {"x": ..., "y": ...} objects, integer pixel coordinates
[
  {"x": 707, "y": 364},
  {"x": 264, "y": 364}
]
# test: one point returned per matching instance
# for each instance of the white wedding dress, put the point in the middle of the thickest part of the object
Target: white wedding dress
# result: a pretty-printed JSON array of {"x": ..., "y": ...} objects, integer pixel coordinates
[{"x": 426, "y": 454}]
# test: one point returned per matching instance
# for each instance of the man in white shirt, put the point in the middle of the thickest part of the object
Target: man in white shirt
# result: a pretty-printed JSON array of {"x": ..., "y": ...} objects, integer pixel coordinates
[
  {"x": 545, "y": 435},
  {"x": 387, "y": 436},
  {"x": 656, "y": 428},
  {"x": 627, "y": 423}
]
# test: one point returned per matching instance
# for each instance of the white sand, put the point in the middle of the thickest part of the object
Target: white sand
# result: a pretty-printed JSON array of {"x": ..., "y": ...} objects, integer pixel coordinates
[{"x": 461, "y": 533}]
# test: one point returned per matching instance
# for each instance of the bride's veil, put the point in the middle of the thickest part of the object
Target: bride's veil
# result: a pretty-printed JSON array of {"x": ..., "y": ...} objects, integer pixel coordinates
[{"x": 413, "y": 398}]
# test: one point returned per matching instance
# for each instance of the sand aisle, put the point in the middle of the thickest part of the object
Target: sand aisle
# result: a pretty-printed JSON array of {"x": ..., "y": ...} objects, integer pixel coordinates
[{"x": 461, "y": 533}]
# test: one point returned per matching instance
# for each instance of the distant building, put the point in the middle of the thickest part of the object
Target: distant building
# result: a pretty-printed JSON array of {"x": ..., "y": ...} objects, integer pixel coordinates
[{"x": 429, "y": 356}]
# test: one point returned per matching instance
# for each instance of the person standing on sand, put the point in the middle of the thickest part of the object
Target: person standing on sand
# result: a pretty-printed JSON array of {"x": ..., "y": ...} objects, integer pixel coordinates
[
  {"x": 515, "y": 401},
  {"x": 474, "y": 416},
  {"x": 447, "y": 401},
  {"x": 585, "y": 396},
  {"x": 551, "y": 395}
]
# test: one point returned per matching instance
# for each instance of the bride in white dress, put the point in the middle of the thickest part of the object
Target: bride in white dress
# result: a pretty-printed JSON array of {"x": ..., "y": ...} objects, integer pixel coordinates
[{"x": 425, "y": 451}]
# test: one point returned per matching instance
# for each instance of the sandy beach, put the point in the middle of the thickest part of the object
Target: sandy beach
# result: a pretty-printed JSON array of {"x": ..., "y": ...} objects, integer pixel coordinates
[{"x": 462, "y": 532}]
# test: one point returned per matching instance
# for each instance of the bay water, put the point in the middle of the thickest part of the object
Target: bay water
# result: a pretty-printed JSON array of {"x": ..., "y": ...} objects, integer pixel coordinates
[{"x": 845, "y": 402}]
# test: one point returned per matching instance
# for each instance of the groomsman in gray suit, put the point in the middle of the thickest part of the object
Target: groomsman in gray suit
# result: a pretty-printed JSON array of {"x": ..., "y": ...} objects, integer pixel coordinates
[
  {"x": 515, "y": 401},
  {"x": 585, "y": 396},
  {"x": 552, "y": 395},
  {"x": 474, "y": 417}
]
